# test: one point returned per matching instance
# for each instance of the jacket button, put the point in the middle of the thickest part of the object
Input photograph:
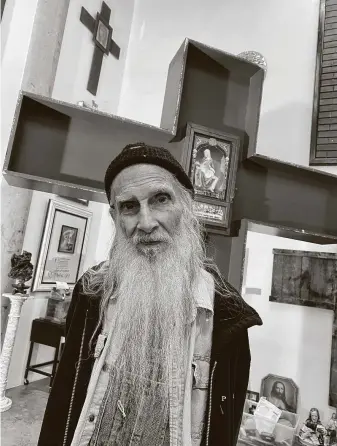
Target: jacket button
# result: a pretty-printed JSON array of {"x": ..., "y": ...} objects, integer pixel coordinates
[
  {"x": 105, "y": 367},
  {"x": 91, "y": 418}
]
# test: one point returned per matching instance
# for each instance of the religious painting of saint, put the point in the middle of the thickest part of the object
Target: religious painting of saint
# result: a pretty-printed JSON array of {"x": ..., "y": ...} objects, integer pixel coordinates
[
  {"x": 210, "y": 166},
  {"x": 67, "y": 240},
  {"x": 280, "y": 391},
  {"x": 210, "y": 158}
]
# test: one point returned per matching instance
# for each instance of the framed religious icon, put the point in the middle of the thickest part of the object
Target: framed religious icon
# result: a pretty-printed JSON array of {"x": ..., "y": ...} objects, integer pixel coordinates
[
  {"x": 63, "y": 245},
  {"x": 211, "y": 158},
  {"x": 102, "y": 34},
  {"x": 280, "y": 391},
  {"x": 67, "y": 240}
]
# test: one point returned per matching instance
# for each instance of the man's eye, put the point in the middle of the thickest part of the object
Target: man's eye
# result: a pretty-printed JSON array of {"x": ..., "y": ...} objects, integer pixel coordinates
[
  {"x": 127, "y": 206},
  {"x": 162, "y": 198}
]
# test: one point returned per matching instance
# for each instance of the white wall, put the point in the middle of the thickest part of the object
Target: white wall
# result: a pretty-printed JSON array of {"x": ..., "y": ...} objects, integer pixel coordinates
[
  {"x": 70, "y": 86},
  {"x": 294, "y": 341},
  {"x": 77, "y": 51},
  {"x": 16, "y": 30},
  {"x": 284, "y": 32}
]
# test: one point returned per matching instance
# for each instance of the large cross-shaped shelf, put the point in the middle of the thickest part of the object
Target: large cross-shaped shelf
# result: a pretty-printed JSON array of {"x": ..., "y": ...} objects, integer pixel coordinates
[{"x": 64, "y": 149}]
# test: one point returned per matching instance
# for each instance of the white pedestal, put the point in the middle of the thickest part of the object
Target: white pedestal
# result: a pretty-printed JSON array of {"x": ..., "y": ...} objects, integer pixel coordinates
[{"x": 16, "y": 301}]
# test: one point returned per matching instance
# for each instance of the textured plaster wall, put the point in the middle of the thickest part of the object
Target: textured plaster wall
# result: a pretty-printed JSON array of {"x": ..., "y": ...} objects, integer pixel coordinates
[
  {"x": 62, "y": 73},
  {"x": 16, "y": 29}
]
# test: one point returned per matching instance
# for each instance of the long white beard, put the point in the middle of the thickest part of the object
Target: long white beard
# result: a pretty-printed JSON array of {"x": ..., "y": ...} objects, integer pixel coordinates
[{"x": 154, "y": 304}]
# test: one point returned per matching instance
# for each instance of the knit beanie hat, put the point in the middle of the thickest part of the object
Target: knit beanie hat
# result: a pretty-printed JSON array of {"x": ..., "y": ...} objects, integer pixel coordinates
[{"x": 141, "y": 153}]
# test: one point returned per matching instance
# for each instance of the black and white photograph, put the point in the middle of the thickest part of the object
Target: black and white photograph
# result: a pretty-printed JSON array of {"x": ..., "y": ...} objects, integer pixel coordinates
[
  {"x": 280, "y": 391},
  {"x": 63, "y": 245},
  {"x": 253, "y": 396},
  {"x": 168, "y": 223},
  {"x": 68, "y": 239}
]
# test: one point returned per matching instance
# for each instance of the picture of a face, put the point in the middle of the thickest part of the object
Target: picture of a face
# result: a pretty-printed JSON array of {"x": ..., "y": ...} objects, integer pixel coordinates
[
  {"x": 67, "y": 239},
  {"x": 314, "y": 416},
  {"x": 279, "y": 389}
]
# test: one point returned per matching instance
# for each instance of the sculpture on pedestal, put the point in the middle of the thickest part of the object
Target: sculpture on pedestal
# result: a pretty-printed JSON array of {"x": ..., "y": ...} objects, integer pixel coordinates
[{"x": 21, "y": 271}]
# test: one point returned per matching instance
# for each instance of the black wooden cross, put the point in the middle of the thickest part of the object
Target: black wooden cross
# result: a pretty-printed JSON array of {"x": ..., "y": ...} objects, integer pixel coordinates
[
  {"x": 101, "y": 32},
  {"x": 63, "y": 149}
]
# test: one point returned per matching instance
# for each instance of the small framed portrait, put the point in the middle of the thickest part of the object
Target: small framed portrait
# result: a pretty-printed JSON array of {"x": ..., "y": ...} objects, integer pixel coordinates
[
  {"x": 68, "y": 237},
  {"x": 252, "y": 396},
  {"x": 210, "y": 158},
  {"x": 280, "y": 391},
  {"x": 63, "y": 245},
  {"x": 102, "y": 34}
]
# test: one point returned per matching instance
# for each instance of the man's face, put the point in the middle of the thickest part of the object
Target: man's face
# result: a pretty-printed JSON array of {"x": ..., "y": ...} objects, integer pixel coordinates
[
  {"x": 147, "y": 207},
  {"x": 279, "y": 389}
]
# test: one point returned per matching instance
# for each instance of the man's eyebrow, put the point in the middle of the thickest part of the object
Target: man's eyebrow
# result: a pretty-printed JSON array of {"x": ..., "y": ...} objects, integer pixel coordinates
[{"x": 159, "y": 190}]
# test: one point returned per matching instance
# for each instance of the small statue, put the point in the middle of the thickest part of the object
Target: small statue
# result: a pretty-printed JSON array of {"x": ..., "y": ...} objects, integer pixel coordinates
[
  {"x": 21, "y": 271},
  {"x": 331, "y": 428},
  {"x": 312, "y": 431}
]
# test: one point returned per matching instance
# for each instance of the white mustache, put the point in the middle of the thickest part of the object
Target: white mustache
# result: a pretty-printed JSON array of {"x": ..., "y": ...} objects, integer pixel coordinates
[{"x": 150, "y": 239}]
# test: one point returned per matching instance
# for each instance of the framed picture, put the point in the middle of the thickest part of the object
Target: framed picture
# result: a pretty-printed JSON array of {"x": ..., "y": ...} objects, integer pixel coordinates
[
  {"x": 102, "y": 34},
  {"x": 63, "y": 245},
  {"x": 280, "y": 391},
  {"x": 211, "y": 159},
  {"x": 67, "y": 240},
  {"x": 253, "y": 396}
]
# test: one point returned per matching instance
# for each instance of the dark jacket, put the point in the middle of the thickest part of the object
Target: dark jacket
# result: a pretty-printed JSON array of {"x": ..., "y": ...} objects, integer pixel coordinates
[{"x": 230, "y": 364}]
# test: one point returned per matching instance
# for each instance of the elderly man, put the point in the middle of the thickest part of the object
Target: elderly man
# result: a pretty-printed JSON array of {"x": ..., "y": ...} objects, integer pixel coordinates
[{"x": 157, "y": 350}]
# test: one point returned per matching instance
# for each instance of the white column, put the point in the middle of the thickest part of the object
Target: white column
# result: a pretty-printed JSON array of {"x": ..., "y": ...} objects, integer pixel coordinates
[{"x": 16, "y": 301}]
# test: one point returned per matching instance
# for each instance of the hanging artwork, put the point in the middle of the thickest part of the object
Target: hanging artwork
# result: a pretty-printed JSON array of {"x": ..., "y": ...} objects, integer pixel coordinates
[
  {"x": 63, "y": 245},
  {"x": 211, "y": 159},
  {"x": 280, "y": 391}
]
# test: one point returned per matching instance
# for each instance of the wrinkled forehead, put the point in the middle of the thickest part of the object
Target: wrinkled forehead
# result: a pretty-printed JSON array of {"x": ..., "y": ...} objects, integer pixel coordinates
[{"x": 142, "y": 178}]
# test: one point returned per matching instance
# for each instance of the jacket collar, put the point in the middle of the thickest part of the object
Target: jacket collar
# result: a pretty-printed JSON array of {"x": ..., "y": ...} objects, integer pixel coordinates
[{"x": 232, "y": 314}]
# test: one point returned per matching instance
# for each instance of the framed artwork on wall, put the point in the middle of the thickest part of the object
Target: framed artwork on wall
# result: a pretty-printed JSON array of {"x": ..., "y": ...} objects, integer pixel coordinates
[
  {"x": 280, "y": 391},
  {"x": 63, "y": 245},
  {"x": 211, "y": 159},
  {"x": 67, "y": 240}
]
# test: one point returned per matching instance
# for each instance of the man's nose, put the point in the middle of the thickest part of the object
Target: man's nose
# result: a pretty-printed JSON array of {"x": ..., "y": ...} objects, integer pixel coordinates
[{"x": 146, "y": 221}]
